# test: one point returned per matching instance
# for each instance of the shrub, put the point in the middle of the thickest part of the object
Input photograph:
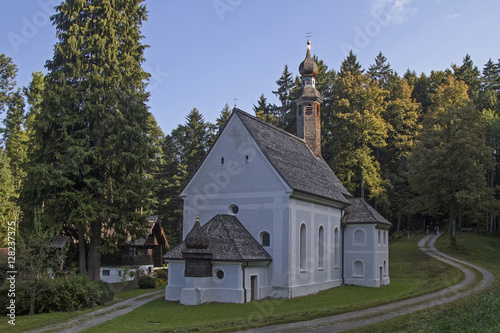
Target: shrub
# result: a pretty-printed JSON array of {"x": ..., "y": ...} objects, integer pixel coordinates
[
  {"x": 161, "y": 274},
  {"x": 75, "y": 292},
  {"x": 147, "y": 282}
]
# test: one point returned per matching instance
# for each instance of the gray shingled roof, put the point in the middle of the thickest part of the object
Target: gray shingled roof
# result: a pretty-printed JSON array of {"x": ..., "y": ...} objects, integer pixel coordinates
[
  {"x": 228, "y": 241},
  {"x": 299, "y": 167},
  {"x": 361, "y": 212}
]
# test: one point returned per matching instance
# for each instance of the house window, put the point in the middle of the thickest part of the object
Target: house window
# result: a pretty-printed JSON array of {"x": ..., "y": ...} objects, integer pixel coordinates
[
  {"x": 105, "y": 272},
  {"x": 119, "y": 273},
  {"x": 359, "y": 237},
  {"x": 219, "y": 274},
  {"x": 358, "y": 269},
  {"x": 265, "y": 239},
  {"x": 132, "y": 251},
  {"x": 321, "y": 248},
  {"x": 302, "y": 247}
]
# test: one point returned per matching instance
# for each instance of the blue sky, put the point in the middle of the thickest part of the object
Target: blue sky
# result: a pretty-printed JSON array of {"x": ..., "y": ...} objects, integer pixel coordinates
[{"x": 205, "y": 53}]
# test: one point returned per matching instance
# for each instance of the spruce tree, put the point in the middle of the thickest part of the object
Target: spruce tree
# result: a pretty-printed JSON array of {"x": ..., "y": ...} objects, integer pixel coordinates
[
  {"x": 285, "y": 112},
  {"x": 265, "y": 111},
  {"x": 93, "y": 131},
  {"x": 351, "y": 64},
  {"x": 381, "y": 71},
  {"x": 223, "y": 118}
]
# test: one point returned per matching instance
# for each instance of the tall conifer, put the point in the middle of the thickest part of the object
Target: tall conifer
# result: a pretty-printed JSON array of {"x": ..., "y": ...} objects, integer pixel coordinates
[{"x": 94, "y": 148}]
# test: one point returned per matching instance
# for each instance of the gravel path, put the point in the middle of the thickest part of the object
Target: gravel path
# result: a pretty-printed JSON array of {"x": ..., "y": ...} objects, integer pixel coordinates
[
  {"x": 347, "y": 321},
  {"x": 103, "y": 315}
]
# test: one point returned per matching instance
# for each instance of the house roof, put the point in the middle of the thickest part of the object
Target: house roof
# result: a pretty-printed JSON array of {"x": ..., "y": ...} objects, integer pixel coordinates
[
  {"x": 228, "y": 241},
  {"x": 360, "y": 212},
  {"x": 154, "y": 230},
  {"x": 299, "y": 167}
]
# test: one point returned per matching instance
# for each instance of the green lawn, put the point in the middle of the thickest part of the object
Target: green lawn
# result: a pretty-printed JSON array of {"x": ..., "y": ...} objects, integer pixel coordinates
[
  {"x": 479, "y": 313},
  {"x": 412, "y": 273}
]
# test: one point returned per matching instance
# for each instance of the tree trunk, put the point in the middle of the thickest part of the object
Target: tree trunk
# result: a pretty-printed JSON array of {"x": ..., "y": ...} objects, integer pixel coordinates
[
  {"x": 81, "y": 249},
  {"x": 94, "y": 261},
  {"x": 453, "y": 238}
]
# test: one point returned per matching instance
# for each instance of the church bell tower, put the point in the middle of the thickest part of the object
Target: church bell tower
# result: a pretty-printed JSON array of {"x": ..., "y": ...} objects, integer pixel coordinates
[{"x": 308, "y": 105}]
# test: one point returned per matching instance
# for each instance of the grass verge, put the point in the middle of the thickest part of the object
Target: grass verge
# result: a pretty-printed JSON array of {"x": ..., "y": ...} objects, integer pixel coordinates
[
  {"x": 26, "y": 323},
  {"x": 479, "y": 313}
]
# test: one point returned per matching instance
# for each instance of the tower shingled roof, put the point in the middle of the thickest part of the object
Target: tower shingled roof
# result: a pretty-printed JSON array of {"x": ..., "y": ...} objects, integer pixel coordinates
[{"x": 308, "y": 66}]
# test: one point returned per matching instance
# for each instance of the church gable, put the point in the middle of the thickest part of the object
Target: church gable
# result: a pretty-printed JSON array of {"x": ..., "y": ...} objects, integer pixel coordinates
[{"x": 234, "y": 164}]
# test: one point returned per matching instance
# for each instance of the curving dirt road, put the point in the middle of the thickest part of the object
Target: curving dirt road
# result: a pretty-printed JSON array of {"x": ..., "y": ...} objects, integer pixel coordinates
[{"x": 347, "y": 321}]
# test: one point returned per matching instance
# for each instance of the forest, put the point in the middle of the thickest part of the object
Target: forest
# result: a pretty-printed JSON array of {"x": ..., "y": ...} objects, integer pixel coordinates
[{"x": 82, "y": 154}]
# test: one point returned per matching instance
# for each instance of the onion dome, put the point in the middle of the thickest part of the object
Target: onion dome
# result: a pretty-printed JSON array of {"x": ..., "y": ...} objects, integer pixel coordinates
[
  {"x": 308, "y": 66},
  {"x": 196, "y": 238}
]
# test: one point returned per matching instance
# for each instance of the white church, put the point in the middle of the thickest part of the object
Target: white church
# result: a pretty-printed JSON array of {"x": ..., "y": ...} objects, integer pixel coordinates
[{"x": 265, "y": 216}]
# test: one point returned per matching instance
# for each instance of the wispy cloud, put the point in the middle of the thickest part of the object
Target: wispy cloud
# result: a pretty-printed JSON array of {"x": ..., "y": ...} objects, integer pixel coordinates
[{"x": 397, "y": 10}]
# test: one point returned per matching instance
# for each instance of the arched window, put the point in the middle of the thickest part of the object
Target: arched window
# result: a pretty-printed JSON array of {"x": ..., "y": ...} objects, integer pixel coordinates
[
  {"x": 359, "y": 237},
  {"x": 265, "y": 238},
  {"x": 385, "y": 239},
  {"x": 385, "y": 268},
  {"x": 303, "y": 247},
  {"x": 358, "y": 268},
  {"x": 379, "y": 238},
  {"x": 321, "y": 247},
  {"x": 336, "y": 254}
]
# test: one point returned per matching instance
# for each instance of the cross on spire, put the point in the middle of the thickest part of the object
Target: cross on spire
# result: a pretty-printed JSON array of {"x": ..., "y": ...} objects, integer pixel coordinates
[
  {"x": 308, "y": 35},
  {"x": 235, "y": 99}
]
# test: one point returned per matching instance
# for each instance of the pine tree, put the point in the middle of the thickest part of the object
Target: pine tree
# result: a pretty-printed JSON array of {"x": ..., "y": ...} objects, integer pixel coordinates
[{"x": 93, "y": 130}]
